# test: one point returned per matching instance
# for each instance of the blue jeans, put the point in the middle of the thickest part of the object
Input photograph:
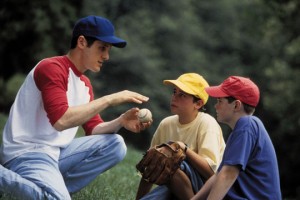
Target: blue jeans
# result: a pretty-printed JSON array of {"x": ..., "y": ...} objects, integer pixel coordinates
[
  {"x": 38, "y": 176},
  {"x": 163, "y": 193}
]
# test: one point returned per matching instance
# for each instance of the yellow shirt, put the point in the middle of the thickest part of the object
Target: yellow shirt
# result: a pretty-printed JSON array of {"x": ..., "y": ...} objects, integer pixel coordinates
[{"x": 203, "y": 135}]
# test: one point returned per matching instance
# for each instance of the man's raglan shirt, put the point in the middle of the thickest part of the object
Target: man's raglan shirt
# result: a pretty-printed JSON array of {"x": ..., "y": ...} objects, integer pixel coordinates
[{"x": 51, "y": 87}]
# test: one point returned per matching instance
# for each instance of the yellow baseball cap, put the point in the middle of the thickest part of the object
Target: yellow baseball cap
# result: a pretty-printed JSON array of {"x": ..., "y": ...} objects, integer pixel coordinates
[{"x": 191, "y": 83}]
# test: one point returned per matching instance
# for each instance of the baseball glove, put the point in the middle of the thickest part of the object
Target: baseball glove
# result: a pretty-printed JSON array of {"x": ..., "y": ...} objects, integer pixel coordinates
[{"x": 159, "y": 163}]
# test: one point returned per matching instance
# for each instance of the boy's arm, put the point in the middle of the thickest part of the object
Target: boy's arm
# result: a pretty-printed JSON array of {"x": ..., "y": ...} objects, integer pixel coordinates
[
  {"x": 224, "y": 180},
  {"x": 198, "y": 162},
  {"x": 205, "y": 190},
  {"x": 218, "y": 185},
  {"x": 144, "y": 188}
]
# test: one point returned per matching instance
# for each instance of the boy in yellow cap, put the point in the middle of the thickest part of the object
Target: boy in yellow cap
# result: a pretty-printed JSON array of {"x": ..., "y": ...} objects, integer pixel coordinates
[{"x": 192, "y": 127}]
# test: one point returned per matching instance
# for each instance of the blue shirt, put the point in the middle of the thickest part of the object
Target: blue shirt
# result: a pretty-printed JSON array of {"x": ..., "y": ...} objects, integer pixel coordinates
[{"x": 250, "y": 148}]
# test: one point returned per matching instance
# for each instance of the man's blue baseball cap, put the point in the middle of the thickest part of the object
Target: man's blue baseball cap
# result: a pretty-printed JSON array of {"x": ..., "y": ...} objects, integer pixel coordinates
[{"x": 99, "y": 28}]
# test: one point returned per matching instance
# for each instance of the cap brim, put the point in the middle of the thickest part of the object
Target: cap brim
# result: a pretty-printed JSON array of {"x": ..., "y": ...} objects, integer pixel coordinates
[
  {"x": 113, "y": 40},
  {"x": 180, "y": 85},
  {"x": 216, "y": 91}
]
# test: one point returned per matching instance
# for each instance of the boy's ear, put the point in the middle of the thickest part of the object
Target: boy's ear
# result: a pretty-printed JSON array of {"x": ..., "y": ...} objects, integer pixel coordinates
[
  {"x": 199, "y": 104},
  {"x": 238, "y": 104}
]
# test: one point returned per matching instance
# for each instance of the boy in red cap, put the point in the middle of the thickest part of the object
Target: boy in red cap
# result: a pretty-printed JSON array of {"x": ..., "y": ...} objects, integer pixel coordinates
[{"x": 249, "y": 168}]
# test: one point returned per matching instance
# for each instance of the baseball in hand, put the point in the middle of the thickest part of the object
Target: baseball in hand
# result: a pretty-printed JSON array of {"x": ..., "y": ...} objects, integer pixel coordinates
[{"x": 144, "y": 115}]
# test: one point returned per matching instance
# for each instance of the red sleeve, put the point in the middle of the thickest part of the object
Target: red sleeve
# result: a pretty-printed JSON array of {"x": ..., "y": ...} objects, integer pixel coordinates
[
  {"x": 51, "y": 79},
  {"x": 94, "y": 121},
  {"x": 91, "y": 124}
]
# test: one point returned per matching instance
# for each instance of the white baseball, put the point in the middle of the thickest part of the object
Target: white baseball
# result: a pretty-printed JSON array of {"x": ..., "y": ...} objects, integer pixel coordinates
[{"x": 144, "y": 115}]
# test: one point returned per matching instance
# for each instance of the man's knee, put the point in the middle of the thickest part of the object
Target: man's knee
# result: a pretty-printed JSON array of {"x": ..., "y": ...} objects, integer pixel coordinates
[
  {"x": 57, "y": 195},
  {"x": 114, "y": 147},
  {"x": 120, "y": 148}
]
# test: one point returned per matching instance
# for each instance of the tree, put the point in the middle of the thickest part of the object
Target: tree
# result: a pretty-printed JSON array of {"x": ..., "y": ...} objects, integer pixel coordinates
[
  {"x": 30, "y": 31},
  {"x": 281, "y": 98}
]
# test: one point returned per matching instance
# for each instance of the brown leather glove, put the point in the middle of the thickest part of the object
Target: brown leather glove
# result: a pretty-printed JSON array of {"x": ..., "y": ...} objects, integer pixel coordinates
[{"x": 160, "y": 163}]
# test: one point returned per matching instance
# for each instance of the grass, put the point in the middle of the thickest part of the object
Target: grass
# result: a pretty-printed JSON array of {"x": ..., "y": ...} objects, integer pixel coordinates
[{"x": 118, "y": 183}]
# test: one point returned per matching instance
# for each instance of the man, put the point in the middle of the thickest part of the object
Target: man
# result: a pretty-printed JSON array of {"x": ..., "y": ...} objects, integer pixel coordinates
[
  {"x": 43, "y": 158},
  {"x": 189, "y": 125},
  {"x": 249, "y": 168}
]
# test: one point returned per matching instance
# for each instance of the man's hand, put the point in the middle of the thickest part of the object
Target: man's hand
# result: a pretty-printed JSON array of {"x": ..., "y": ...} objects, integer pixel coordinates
[
  {"x": 129, "y": 121},
  {"x": 125, "y": 96}
]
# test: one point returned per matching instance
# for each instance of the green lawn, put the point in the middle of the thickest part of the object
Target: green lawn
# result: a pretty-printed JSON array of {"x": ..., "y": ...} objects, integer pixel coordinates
[{"x": 118, "y": 183}]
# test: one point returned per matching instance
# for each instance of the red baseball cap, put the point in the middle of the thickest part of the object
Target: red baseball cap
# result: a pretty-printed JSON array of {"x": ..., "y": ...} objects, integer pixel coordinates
[{"x": 238, "y": 87}]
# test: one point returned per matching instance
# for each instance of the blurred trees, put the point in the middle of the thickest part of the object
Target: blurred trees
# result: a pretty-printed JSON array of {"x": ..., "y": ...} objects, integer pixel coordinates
[
  {"x": 281, "y": 93},
  {"x": 30, "y": 31},
  {"x": 217, "y": 38}
]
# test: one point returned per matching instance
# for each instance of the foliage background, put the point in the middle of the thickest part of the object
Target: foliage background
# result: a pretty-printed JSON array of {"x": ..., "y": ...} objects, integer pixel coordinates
[{"x": 217, "y": 38}]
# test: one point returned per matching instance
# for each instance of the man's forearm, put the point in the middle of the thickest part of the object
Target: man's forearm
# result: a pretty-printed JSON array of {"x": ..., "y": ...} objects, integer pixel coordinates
[
  {"x": 78, "y": 115},
  {"x": 108, "y": 127}
]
